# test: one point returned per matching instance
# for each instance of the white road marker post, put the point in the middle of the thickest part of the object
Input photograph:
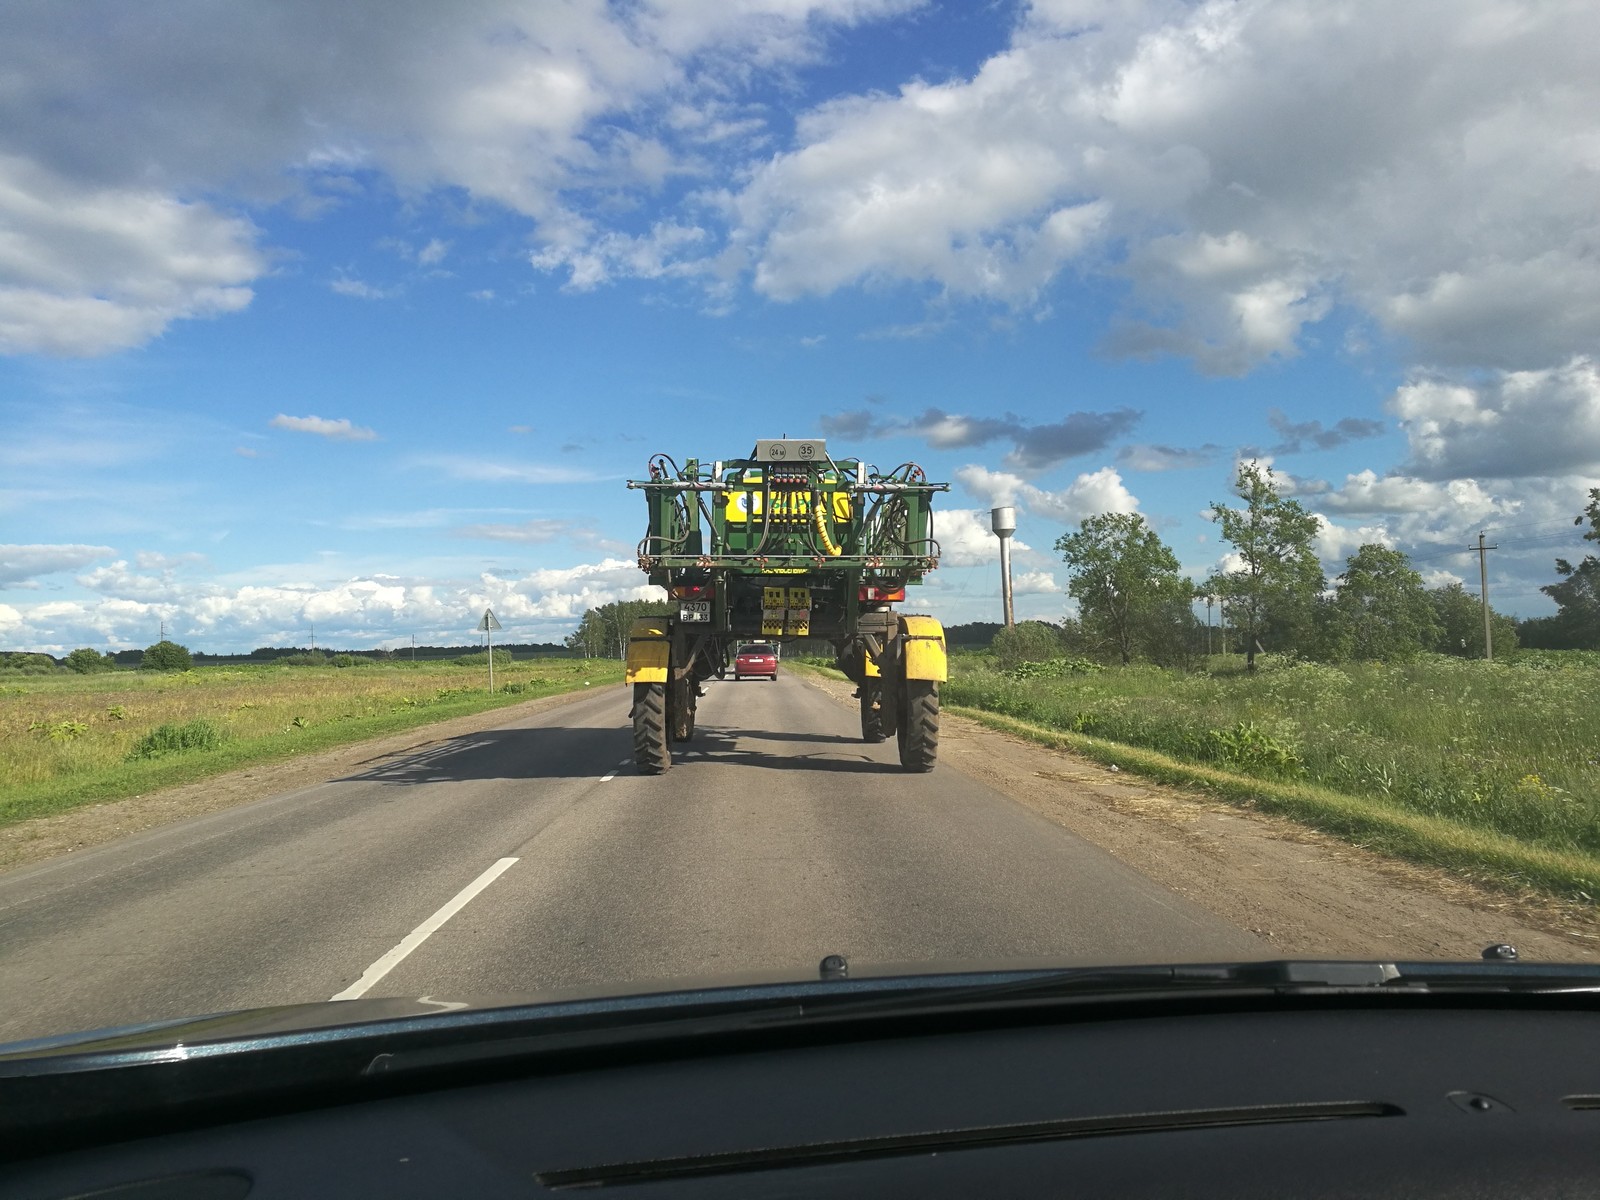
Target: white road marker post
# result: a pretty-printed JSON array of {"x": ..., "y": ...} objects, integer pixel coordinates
[{"x": 487, "y": 626}]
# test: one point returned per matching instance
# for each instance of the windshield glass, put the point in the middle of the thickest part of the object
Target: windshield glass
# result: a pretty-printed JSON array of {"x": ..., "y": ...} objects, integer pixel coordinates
[{"x": 1157, "y": 447}]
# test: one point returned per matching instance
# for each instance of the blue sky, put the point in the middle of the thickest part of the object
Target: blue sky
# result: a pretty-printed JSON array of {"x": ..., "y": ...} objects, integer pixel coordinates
[{"x": 360, "y": 320}]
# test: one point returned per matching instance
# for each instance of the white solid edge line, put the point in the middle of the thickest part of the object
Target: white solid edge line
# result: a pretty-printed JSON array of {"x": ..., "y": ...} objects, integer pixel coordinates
[{"x": 423, "y": 932}]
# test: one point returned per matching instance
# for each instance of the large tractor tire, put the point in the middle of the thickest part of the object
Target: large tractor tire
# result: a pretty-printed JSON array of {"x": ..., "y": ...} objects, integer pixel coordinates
[
  {"x": 872, "y": 713},
  {"x": 682, "y": 712},
  {"x": 918, "y": 727},
  {"x": 650, "y": 752}
]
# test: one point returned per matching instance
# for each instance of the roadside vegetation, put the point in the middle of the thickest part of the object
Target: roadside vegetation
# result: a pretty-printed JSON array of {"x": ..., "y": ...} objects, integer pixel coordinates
[
  {"x": 1364, "y": 704},
  {"x": 68, "y": 738}
]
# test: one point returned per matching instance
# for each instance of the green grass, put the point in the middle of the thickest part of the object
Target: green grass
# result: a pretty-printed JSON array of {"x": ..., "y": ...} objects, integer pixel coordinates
[
  {"x": 1510, "y": 750},
  {"x": 78, "y": 739},
  {"x": 1493, "y": 858}
]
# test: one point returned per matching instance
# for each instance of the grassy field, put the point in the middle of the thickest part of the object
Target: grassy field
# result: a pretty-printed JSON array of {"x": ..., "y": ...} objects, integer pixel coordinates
[
  {"x": 72, "y": 739},
  {"x": 1506, "y": 749}
]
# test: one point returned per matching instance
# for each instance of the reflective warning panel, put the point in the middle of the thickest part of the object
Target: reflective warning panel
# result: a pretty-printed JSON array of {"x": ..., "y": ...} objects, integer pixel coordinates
[{"x": 791, "y": 450}]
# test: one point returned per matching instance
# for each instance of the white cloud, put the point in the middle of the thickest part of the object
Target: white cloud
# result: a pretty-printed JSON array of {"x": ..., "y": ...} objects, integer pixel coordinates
[
  {"x": 338, "y": 430},
  {"x": 19, "y": 564},
  {"x": 89, "y": 268},
  {"x": 540, "y": 605},
  {"x": 359, "y": 290},
  {"x": 966, "y": 539},
  {"x": 1514, "y": 424},
  {"x": 109, "y": 127},
  {"x": 1090, "y": 493},
  {"x": 1248, "y": 165},
  {"x": 1035, "y": 583}
]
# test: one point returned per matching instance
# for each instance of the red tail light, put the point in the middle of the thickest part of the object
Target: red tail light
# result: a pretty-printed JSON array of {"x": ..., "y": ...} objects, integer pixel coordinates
[
  {"x": 697, "y": 591},
  {"x": 882, "y": 595}
]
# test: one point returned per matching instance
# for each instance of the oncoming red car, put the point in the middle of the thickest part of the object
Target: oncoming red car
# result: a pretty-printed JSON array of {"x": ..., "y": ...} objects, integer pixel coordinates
[{"x": 755, "y": 660}]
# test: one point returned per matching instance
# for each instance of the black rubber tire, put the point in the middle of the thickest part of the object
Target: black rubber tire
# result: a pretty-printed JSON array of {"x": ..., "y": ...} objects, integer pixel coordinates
[
  {"x": 682, "y": 714},
  {"x": 871, "y": 714},
  {"x": 651, "y": 754},
  {"x": 918, "y": 732}
]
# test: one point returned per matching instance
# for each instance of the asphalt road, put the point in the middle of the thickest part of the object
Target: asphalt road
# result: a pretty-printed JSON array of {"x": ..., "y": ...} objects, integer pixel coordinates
[{"x": 776, "y": 838}]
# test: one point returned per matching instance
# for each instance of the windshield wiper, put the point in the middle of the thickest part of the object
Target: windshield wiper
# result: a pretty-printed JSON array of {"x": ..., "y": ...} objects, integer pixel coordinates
[{"x": 1282, "y": 977}]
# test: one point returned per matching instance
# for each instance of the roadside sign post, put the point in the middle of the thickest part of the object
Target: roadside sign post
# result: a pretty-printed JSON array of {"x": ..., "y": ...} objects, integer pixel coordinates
[{"x": 487, "y": 626}]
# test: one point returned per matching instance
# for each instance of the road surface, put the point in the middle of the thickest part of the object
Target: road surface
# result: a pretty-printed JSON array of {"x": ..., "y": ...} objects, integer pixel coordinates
[{"x": 531, "y": 856}]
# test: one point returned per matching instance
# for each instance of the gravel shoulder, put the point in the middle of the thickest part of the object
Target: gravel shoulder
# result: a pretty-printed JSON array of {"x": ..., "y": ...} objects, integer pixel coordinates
[
  {"x": 1308, "y": 894},
  {"x": 33, "y": 841}
]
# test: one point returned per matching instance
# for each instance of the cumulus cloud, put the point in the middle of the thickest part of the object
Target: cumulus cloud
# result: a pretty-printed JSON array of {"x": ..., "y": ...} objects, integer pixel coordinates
[
  {"x": 1245, "y": 167},
  {"x": 1091, "y": 493},
  {"x": 91, "y": 267},
  {"x": 340, "y": 430},
  {"x": 1035, "y": 446},
  {"x": 1514, "y": 424},
  {"x": 20, "y": 564},
  {"x": 966, "y": 539},
  {"x": 541, "y": 605},
  {"x": 111, "y": 126}
]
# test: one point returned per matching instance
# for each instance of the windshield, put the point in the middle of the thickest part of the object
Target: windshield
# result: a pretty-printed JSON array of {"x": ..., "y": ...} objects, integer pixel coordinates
[{"x": 1156, "y": 447}]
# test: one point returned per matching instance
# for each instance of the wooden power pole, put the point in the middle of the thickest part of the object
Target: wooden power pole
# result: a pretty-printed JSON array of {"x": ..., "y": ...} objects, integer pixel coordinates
[{"x": 1483, "y": 581}]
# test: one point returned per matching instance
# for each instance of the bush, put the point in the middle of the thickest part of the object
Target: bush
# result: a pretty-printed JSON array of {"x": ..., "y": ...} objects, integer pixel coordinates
[
  {"x": 86, "y": 661},
  {"x": 177, "y": 739},
  {"x": 167, "y": 656},
  {"x": 20, "y": 663},
  {"x": 1029, "y": 641},
  {"x": 502, "y": 658},
  {"x": 311, "y": 658},
  {"x": 1055, "y": 668},
  {"x": 351, "y": 660}
]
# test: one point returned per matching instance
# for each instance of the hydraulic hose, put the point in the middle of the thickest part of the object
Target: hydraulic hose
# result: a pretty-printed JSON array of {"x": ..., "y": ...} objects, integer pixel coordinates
[{"x": 821, "y": 524}]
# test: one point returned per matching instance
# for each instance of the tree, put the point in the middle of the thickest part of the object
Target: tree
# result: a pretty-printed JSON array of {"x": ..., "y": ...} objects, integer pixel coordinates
[
  {"x": 1577, "y": 596},
  {"x": 1125, "y": 580},
  {"x": 1027, "y": 641},
  {"x": 1380, "y": 609},
  {"x": 1273, "y": 592},
  {"x": 603, "y": 631},
  {"x": 166, "y": 656},
  {"x": 1459, "y": 615},
  {"x": 86, "y": 661}
]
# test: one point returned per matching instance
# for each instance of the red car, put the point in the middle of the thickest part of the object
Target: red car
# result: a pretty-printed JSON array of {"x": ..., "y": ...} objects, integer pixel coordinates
[{"x": 756, "y": 659}]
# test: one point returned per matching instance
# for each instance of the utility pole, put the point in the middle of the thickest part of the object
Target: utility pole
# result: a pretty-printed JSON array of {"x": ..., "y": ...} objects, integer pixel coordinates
[
  {"x": 313, "y": 635},
  {"x": 1483, "y": 579},
  {"x": 413, "y": 648},
  {"x": 1209, "y": 601}
]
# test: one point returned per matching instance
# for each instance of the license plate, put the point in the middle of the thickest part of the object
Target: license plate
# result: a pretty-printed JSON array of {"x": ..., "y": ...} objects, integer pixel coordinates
[{"x": 694, "y": 610}]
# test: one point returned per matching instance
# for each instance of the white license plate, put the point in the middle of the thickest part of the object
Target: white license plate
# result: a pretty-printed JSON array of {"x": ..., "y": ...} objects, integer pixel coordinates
[{"x": 694, "y": 610}]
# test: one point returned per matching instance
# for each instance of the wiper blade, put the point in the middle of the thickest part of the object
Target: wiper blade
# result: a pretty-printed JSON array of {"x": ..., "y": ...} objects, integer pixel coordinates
[{"x": 1281, "y": 977}]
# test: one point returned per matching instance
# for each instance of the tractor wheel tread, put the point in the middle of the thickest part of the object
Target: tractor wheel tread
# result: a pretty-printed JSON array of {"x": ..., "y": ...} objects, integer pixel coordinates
[
  {"x": 919, "y": 726},
  {"x": 650, "y": 751},
  {"x": 871, "y": 717}
]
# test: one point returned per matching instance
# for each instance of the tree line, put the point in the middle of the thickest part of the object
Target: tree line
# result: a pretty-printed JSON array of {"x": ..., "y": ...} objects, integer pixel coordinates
[{"x": 1272, "y": 595}]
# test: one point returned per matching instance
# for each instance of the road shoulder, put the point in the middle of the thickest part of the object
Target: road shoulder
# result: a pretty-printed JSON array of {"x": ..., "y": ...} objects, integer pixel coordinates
[
  {"x": 26, "y": 842},
  {"x": 1308, "y": 894}
]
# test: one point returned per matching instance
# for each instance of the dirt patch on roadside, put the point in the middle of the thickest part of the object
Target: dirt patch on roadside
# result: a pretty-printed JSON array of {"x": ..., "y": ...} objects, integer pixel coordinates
[
  {"x": 95, "y": 824},
  {"x": 1304, "y": 892}
]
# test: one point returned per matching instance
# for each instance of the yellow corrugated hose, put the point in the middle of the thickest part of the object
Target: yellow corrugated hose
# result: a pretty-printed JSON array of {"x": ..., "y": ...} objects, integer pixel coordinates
[{"x": 821, "y": 523}]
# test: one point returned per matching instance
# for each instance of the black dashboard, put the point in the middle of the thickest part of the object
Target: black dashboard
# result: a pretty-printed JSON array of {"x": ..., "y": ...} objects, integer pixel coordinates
[{"x": 1404, "y": 1098}]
